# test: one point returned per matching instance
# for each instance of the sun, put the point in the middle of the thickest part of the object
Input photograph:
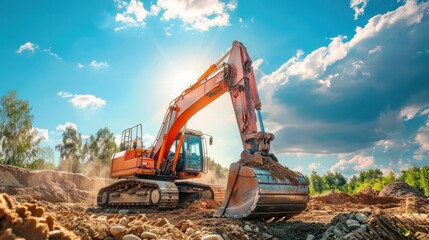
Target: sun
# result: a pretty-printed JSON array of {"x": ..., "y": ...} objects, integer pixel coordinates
[{"x": 182, "y": 80}]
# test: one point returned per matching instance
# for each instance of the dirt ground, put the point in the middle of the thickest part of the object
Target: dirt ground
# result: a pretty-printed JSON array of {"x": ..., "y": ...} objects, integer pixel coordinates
[{"x": 72, "y": 214}]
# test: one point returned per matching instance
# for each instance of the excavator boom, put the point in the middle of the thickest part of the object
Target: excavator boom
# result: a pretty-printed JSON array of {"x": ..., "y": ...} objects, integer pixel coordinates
[{"x": 258, "y": 186}]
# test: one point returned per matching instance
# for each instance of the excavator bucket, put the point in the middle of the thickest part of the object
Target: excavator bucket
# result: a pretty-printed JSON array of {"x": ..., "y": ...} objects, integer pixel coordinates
[{"x": 256, "y": 193}]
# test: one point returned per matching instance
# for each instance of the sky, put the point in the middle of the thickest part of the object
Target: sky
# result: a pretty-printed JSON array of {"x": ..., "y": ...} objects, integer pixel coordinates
[{"x": 344, "y": 86}]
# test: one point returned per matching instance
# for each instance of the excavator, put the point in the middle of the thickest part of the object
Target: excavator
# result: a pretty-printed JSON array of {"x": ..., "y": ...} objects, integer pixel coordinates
[{"x": 256, "y": 186}]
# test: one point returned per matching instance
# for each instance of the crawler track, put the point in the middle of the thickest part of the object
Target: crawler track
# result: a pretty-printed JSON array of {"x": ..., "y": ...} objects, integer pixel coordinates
[{"x": 139, "y": 193}]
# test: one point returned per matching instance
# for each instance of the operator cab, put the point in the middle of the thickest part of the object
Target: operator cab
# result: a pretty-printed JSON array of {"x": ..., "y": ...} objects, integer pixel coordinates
[{"x": 192, "y": 156}]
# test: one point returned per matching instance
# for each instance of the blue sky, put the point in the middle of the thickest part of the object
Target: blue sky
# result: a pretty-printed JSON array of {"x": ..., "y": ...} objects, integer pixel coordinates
[{"x": 344, "y": 86}]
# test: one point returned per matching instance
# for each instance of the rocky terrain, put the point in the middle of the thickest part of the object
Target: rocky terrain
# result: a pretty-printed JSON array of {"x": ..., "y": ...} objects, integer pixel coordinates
[{"x": 54, "y": 205}]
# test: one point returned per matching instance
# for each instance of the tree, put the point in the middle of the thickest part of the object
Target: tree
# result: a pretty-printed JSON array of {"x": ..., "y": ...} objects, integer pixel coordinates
[
  {"x": 316, "y": 182},
  {"x": 18, "y": 141},
  {"x": 99, "y": 150},
  {"x": 71, "y": 151},
  {"x": 424, "y": 179},
  {"x": 102, "y": 146},
  {"x": 329, "y": 181}
]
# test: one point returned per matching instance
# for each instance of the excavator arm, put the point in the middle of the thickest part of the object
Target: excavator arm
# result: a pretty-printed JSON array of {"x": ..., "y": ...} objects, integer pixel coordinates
[{"x": 234, "y": 76}]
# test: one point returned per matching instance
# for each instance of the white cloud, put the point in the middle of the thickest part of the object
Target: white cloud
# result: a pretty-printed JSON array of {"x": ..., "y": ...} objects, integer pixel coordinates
[
  {"x": 340, "y": 166},
  {"x": 384, "y": 144},
  {"x": 315, "y": 63},
  {"x": 99, "y": 65},
  {"x": 375, "y": 50},
  {"x": 134, "y": 14},
  {"x": 361, "y": 162},
  {"x": 240, "y": 20},
  {"x": 314, "y": 166},
  {"x": 83, "y": 101},
  {"x": 31, "y": 47},
  {"x": 197, "y": 15},
  {"x": 257, "y": 63},
  {"x": 358, "y": 162},
  {"x": 148, "y": 140},
  {"x": 298, "y": 168},
  {"x": 62, "y": 127},
  {"x": 64, "y": 94},
  {"x": 28, "y": 46},
  {"x": 83, "y": 136},
  {"x": 49, "y": 51},
  {"x": 358, "y": 6},
  {"x": 80, "y": 65},
  {"x": 42, "y": 134},
  {"x": 422, "y": 139}
]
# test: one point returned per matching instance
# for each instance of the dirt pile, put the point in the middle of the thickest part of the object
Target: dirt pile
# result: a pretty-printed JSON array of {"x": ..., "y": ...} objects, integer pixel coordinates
[
  {"x": 52, "y": 186},
  {"x": 367, "y": 196},
  {"x": 267, "y": 163},
  {"x": 28, "y": 221},
  {"x": 400, "y": 190}
]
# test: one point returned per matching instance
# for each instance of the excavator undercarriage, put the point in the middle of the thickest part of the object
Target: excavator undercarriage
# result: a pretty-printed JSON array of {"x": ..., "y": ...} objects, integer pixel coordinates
[{"x": 160, "y": 195}]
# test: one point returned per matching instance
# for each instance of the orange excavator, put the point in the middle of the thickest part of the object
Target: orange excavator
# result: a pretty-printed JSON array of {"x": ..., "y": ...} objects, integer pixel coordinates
[{"x": 154, "y": 177}]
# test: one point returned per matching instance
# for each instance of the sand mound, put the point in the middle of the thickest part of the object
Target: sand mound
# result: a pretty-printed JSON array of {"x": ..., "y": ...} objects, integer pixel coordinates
[
  {"x": 52, "y": 186},
  {"x": 400, "y": 190}
]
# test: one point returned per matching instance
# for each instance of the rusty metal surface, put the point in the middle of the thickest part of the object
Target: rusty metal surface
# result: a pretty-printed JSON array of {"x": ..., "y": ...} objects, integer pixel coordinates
[{"x": 256, "y": 193}]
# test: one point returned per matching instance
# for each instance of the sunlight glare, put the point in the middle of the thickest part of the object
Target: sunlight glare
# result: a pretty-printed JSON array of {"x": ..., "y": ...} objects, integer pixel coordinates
[{"x": 182, "y": 80}]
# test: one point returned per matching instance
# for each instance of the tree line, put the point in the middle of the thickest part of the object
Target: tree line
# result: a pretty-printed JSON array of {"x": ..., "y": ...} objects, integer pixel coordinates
[
  {"x": 417, "y": 177},
  {"x": 20, "y": 145}
]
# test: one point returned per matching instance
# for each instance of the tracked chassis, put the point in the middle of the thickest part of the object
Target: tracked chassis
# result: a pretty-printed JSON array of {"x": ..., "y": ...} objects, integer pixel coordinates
[{"x": 161, "y": 195}]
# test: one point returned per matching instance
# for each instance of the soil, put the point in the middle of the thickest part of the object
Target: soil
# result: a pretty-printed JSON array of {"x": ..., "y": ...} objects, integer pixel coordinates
[
  {"x": 334, "y": 215},
  {"x": 267, "y": 163},
  {"x": 401, "y": 189}
]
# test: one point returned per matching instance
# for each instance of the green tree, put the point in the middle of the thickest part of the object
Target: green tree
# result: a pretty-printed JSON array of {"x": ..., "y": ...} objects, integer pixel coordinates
[
  {"x": 316, "y": 182},
  {"x": 71, "y": 151},
  {"x": 351, "y": 186},
  {"x": 424, "y": 179},
  {"x": 101, "y": 146},
  {"x": 18, "y": 141},
  {"x": 99, "y": 150},
  {"x": 44, "y": 159}
]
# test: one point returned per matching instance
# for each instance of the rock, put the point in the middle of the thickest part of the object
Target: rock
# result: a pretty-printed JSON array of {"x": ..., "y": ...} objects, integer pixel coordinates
[
  {"x": 247, "y": 228},
  {"x": 123, "y": 221},
  {"x": 352, "y": 224},
  {"x": 364, "y": 227},
  {"x": 55, "y": 234},
  {"x": 362, "y": 218},
  {"x": 310, "y": 237},
  {"x": 212, "y": 237},
  {"x": 189, "y": 231},
  {"x": 256, "y": 230},
  {"x": 149, "y": 235},
  {"x": 155, "y": 231},
  {"x": 337, "y": 232},
  {"x": 131, "y": 237},
  {"x": 161, "y": 222},
  {"x": 115, "y": 230},
  {"x": 266, "y": 236},
  {"x": 123, "y": 211}
]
